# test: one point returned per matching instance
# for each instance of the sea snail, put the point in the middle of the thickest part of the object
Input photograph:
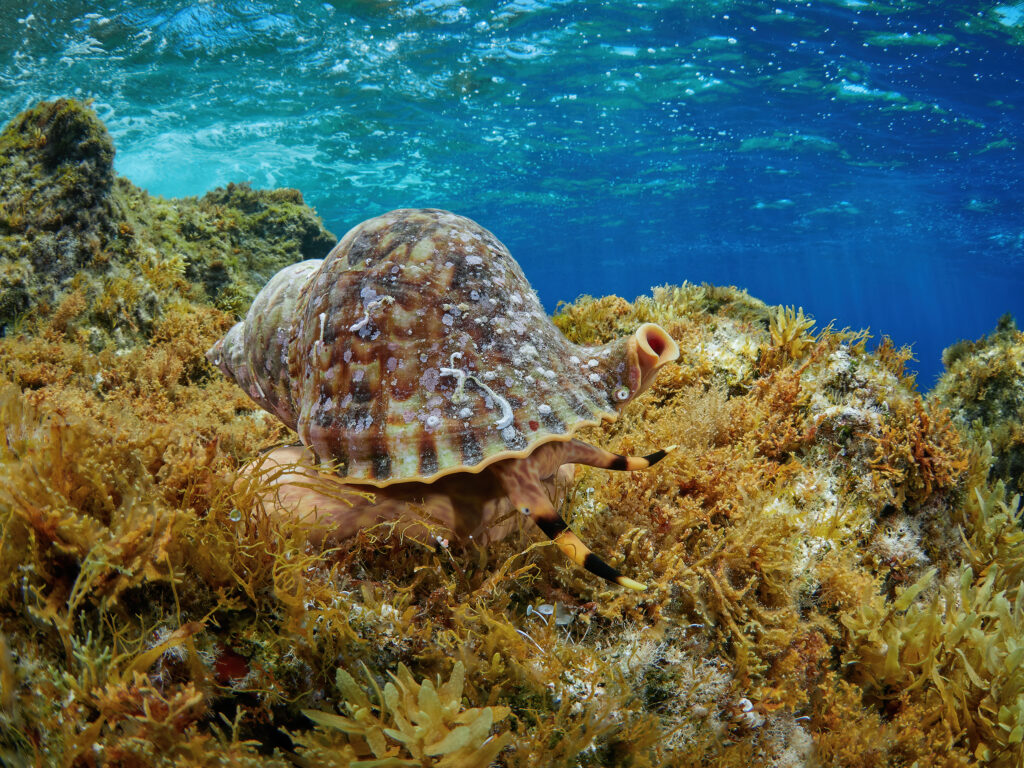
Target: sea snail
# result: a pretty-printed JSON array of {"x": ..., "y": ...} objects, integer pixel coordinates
[{"x": 418, "y": 364}]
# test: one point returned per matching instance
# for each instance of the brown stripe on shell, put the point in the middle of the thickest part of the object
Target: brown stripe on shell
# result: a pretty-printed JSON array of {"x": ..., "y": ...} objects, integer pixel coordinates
[
  {"x": 323, "y": 418},
  {"x": 514, "y": 438},
  {"x": 472, "y": 453},
  {"x": 553, "y": 423},
  {"x": 337, "y": 459},
  {"x": 428, "y": 458},
  {"x": 363, "y": 246},
  {"x": 381, "y": 405},
  {"x": 381, "y": 463},
  {"x": 409, "y": 231},
  {"x": 362, "y": 392}
]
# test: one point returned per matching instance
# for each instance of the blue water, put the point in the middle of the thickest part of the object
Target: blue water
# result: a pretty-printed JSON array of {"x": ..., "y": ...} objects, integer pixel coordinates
[{"x": 859, "y": 159}]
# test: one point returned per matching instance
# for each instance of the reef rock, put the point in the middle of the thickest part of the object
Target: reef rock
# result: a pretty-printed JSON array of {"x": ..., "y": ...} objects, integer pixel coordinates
[
  {"x": 983, "y": 386},
  {"x": 72, "y": 230}
]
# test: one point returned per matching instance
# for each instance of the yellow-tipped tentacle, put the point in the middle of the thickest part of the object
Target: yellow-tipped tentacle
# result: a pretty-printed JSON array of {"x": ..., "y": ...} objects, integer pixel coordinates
[
  {"x": 528, "y": 496},
  {"x": 578, "y": 452}
]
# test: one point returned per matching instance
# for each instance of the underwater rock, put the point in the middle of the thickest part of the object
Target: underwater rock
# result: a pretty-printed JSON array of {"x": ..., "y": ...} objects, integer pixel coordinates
[
  {"x": 57, "y": 177},
  {"x": 983, "y": 385},
  {"x": 71, "y": 229}
]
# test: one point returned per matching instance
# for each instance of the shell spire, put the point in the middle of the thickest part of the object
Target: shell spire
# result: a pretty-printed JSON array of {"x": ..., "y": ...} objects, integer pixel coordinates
[{"x": 255, "y": 351}]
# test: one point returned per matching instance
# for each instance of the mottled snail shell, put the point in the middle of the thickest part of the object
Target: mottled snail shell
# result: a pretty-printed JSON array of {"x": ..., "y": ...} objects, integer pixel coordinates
[
  {"x": 255, "y": 351},
  {"x": 417, "y": 348}
]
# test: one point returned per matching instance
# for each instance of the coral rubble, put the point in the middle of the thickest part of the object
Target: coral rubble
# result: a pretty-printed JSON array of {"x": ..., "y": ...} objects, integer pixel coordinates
[{"x": 834, "y": 577}]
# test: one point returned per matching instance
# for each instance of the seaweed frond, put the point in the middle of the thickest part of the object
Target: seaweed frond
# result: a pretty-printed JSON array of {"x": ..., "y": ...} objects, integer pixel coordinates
[
  {"x": 411, "y": 723},
  {"x": 954, "y": 644},
  {"x": 791, "y": 337}
]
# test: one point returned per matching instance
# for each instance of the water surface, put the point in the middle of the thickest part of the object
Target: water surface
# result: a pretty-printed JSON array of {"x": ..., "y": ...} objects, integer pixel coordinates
[{"x": 859, "y": 159}]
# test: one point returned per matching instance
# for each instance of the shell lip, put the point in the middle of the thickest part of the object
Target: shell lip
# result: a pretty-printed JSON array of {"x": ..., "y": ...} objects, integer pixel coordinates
[
  {"x": 650, "y": 348},
  {"x": 606, "y": 416},
  {"x": 655, "y": 341}
]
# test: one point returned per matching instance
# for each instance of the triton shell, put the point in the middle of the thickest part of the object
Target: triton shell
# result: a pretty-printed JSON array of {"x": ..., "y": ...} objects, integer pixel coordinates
[{"x": 417, "y": 349}]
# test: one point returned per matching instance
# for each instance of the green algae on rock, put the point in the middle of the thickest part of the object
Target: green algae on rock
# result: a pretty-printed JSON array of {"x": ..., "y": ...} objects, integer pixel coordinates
[
  {"x": 984, "y": 388},
  {"x": 69, "y": 226}
]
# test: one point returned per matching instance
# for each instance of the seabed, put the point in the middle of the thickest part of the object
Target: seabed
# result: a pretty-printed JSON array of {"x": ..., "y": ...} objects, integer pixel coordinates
[{"x": 834, "y": 560}]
